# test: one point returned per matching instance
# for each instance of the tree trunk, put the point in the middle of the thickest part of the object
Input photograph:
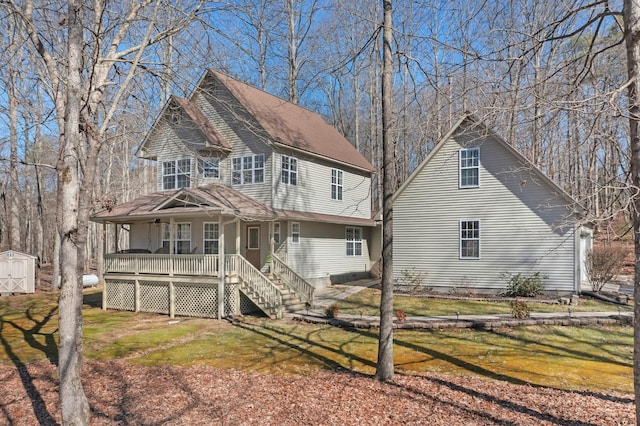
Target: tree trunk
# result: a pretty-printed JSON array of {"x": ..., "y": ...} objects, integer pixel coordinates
[
  {"x": 15, "y": 240},
  {"x": 632, "y": 42},
  {"x": 73, "y": 402},
  {"x": 384, "y": 367}
]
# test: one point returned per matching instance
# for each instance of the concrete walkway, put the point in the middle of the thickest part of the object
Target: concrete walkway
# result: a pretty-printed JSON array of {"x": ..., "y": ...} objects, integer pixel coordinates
[{"x": 335, "y": 293}]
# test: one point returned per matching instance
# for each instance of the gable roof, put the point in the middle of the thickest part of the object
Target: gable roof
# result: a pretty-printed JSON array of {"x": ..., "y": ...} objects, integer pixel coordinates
[
  {"x": 472, "y": 121},
  {"x": 203, "y": 124},
  {"x": 212, "y": 136},
  {"x": 293, "y": 126}
]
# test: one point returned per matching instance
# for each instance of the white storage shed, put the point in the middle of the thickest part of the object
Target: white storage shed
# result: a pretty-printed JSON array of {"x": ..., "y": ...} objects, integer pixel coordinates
[{"x": 17, "y": 272}]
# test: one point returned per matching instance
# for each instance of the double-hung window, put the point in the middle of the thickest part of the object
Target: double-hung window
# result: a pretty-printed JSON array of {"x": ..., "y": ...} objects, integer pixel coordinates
[
  {"x": 211, "y": 238},
  {"x": 295, "y": 233},
  {"x": 469, "y": 168},
  {"x": 209, "y": 168},
  {"x": 353, "y": 238},
  {"x": 247, "y": 170},
  {"x": 176, "y": 174},
  {"x": 336, "y": 184},
  {"x": 276, "y": 232},
  {"x": 289, "y": 175},
  {"x": 181, "y": 237},
  {"x": 469, "y": 239}
]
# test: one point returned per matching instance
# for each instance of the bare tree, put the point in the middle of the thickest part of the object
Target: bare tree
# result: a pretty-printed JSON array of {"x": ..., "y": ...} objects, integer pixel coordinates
[
  {"x": 384, "y": 366},
  {"x": 86, "y": 102},
  {"x": 631, "y": 11}
]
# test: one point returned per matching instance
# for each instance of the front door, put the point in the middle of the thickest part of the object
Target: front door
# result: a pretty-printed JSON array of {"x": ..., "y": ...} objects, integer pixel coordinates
[{"x": 253, "y": 245}]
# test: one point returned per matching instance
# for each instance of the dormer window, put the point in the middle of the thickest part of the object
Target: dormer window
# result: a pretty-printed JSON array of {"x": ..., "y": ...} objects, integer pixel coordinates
[
  {"x": 176, "y": 174},
  {"x": 209, "y": 168},
  {"x": 469, "y": 168},
  {"x": 289, "y": 175}
]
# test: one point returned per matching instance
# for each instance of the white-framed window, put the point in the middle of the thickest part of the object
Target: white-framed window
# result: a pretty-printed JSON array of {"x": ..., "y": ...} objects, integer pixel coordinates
[
  {"x": 289, "y": 173},
  {"x": 295, "y": 233},
  {"x": 181, "y": 237},
  {"x": 469, "y": 168},
  {"x": 209, "y": 167},
  {"x": 336, "y": 184},
  {"x": 210, "y": 237},
  {"x": 469, "y": 239},
  {"x": 176, "y": 174},
  {"x": 276, "y": 232},
  {"x": 247, "y": 170},
  {"x": 353, "y": 239}
]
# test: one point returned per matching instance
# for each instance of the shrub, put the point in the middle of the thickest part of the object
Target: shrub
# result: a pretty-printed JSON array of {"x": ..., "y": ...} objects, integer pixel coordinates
[
  {"x": 401, "y": 315},
  {"x": 519, "y": 285},
  {"x": 603, "y": 263},
  {"x": 412, "y": 280},
  {"x": 332, "y": 310},
  {"x": 519, "y": 309}
]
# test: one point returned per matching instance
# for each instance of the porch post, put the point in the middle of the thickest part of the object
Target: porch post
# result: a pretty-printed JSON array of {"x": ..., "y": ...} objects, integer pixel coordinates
[
  {"x": 116, "y": 235},
  {"x": 272, "y": 243},
  {"x": 222, "y": 274},
  {"x": 171, "y": 235},
  {"x": 238, "y": 236}
]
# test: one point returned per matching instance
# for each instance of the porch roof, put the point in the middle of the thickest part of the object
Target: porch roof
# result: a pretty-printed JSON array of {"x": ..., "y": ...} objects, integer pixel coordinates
[{"x": 207, "y": 200}]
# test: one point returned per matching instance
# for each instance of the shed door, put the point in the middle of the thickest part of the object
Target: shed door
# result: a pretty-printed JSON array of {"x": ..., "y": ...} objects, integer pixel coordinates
[{"x": 13, "y": 275}]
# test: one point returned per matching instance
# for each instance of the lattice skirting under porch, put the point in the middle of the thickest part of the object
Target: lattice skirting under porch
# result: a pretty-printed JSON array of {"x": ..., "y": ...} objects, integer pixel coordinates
[{"x": 174, "y": 297}]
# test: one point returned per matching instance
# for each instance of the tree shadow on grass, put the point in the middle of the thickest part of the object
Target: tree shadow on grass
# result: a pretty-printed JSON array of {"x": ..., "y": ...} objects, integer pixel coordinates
[
  {"x": 481, "y": 371},
  {"x": 93, "y": 299},
  {"x": 298, "y": 344},
  {"x": 49, "y": 348}
]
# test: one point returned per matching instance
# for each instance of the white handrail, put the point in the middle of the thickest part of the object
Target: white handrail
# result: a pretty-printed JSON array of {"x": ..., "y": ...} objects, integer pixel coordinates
[
  {"x": 293, "y": 280},
  {"x": 260, "y": 284}
]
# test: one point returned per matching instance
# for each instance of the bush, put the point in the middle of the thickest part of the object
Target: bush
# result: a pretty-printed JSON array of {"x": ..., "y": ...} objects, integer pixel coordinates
[
  {"x": 519, "y": 309},
  {"x": 412, "y": 280},
  {"x": 332, "y": 310},
  {"x": 603, "y": 263},
  {"x": 401, "y": 315},
  {"x": 519, "y": 285}
]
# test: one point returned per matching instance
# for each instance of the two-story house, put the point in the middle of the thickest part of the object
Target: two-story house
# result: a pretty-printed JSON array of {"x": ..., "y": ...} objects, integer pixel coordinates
[{"x": 247, "y": 177}]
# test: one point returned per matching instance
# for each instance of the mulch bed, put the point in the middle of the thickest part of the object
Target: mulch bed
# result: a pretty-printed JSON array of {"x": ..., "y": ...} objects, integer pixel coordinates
[{"x": 124, "y": 394}]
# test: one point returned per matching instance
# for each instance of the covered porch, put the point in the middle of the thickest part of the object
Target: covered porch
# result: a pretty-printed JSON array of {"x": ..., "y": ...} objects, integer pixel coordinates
[{"x": 177, "y": 241}]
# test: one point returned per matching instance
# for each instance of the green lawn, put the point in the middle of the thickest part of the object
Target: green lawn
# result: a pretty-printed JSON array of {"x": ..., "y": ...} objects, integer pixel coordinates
[
  {"x": 590, "y": 358},
  {"x": 367, "y": 302}
]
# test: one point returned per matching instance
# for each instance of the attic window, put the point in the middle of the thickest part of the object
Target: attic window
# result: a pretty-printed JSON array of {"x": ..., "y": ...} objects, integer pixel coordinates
[
  {"x": 176, "y": 174},
  {"x": 469, "y": 168}
]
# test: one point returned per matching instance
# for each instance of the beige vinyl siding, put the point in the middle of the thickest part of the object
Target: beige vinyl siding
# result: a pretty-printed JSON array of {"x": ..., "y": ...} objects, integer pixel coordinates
[
  {"x": 524, "y": 226},
  {"x": 240, "y": 130},
  {"x": 313, "y": 190},
  {"x": 322, "y": 251}
]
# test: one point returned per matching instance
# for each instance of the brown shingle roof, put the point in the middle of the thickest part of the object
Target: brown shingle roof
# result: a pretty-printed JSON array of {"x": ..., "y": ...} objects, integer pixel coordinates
[
  {"x": 203, "y": 124},
  {"x": 294, "y": 126}
]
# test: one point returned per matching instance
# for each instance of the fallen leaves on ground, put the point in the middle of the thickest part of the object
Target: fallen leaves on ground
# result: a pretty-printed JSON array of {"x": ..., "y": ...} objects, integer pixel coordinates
[{"x": 120, "y": 393}]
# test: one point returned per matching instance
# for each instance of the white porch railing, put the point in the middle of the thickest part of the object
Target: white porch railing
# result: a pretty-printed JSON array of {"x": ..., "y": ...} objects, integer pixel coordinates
[
  {"x": 293, "y": 280},
  {"x": 258, "y": 283},
  {"x": 179, "y": 264}
]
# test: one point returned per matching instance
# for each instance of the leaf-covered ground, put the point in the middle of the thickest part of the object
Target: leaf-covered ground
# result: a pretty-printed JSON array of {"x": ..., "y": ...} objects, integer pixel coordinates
[{"x": 124, "y": 394}]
